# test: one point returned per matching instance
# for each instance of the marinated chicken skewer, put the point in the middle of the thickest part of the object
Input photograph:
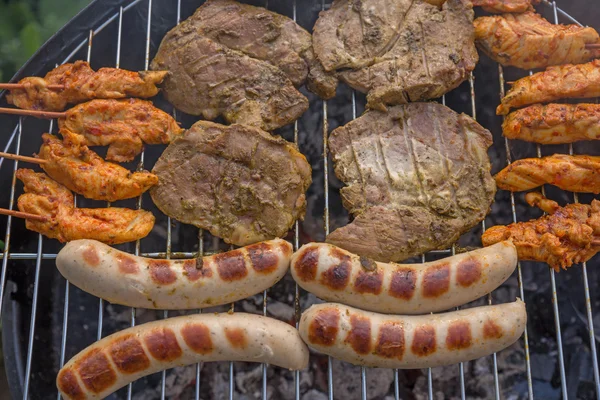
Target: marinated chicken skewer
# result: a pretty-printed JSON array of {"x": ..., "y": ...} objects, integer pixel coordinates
[
  {"x": 554, "y": 123},
  {"x": 505, "y": 6},
  {"x": 558, "y": 82},
  {"x": 573, "y": 173},
  {"x": 64, "y": 222},
  {"x": 80, "y": 83},
  {"x": 122, "y": 125},
  {"x": 567, "y": 236},
  {"x": 529, "y": 41}
]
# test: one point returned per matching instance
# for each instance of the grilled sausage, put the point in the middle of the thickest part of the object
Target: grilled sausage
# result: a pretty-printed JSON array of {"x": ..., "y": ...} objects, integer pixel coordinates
[
  {"x": 125, "y": 356},
  {"x": 407, "y": 342},
  {"x": 334, "y": 274},
  {"x": 122, "y": 278}
]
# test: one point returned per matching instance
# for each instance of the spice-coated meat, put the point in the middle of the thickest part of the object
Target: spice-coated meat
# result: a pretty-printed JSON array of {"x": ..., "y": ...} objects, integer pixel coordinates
[
  {"x": 82, "y": 83},
  {"x": 47, "y": 198},
  {"x": 418, "y": 176},
  {"x": 238, "y": 182},
  {"x": 397, "y": 50},
  {"x": 505, "y": 6}
]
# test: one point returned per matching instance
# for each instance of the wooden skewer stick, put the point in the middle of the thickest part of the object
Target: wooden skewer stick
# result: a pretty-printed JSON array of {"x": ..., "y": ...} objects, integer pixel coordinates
[
  {"x": 23, "y": 158},
  {"x": 595, "y": 242},
  {"x": 20, "y": 214},
  {"x": 592, "y": 46},
  {"x": 13, "y": 86},
  {"x": 33, "y": 113}
]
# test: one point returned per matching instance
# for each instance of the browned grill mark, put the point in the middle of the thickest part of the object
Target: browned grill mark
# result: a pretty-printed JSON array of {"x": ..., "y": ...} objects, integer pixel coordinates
[
  {"x": 67, "y": 384},
  {"x": 403, "y": 283},
  {"x": 424, "y": 342},
  {"x": 197, "y": 337},
  {"x": 491, "y": 330},
  {"x": 390, "y": 341},
  {"x": 236, "y": 337},
  {"x": 263, "y": 257},
  {"x": 95, "y": 371},
  {"x": 369, "y": 282},
  {"x": 286, "y": 249},
  {"x": 306, "y": 264},
  {"x": 128, "y": 354},
  {"x": 231, "y": 265},
  {"x": 359, "y": 336},
  {"x": 459, "y": 335},
  {"x": 468, "y": 272},
  {"x": 90, "y": 256},
  {"x": 195, "y": 269},
  {"x": 162, "y": 344},
  {"x": 324, "y": 327},
  {"x": 337, "y": 276},
  {"x": 436, "y": 280},
  {"x": 161, "y": 272},
  {"x": 126, "y": 264}
]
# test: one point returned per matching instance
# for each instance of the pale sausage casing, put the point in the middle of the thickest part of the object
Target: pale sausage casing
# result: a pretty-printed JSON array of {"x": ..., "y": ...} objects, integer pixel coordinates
[
  {"x": 125, "y": 356},
  {"x": 122, "y": 278},
  {"x": 407, "y": 342},
  {"x": 334, "y": 274}
]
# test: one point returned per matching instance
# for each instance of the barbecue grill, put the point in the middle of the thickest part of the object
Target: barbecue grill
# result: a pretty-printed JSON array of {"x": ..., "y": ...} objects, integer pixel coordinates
[{"x": 46, "y": 320}]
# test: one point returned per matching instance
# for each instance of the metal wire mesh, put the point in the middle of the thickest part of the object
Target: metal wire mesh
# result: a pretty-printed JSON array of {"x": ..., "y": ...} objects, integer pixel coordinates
[{"x": 39, "y": 255}]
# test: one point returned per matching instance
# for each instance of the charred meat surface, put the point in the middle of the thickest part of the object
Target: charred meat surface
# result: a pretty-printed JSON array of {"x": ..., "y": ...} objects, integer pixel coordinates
[
  {"x": 418, "y": 176},
  {"x": 210, "y": 79},
  {"x": 238, "y": 182},
  {"x": 397, "y": 50},
  {"x": 566, "y": 236}
]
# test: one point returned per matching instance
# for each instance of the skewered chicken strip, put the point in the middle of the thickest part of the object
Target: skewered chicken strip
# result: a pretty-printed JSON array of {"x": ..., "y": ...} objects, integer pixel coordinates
[
  {"x": 82, "y": 83},
  {"x": 123, "y": 125},
  {"x": 529, "y": 41},
  {"x": 554, "y": 123},
  {"x": 112, "y": 225},
  {"x": 505, "y": 6},
  {"x": 572, "y": 173},
  {"x": 568, "y": 235},
  {"x": 73, "y": 164}
]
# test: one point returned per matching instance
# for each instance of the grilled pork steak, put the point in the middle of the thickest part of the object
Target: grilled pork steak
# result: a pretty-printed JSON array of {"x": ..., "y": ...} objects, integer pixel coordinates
[
  {"x": 238, "y": 182},
  {"x": 418, "y": 176},
  {"x": 397, "y": 50},
  {"x": 209, "y": 79}
]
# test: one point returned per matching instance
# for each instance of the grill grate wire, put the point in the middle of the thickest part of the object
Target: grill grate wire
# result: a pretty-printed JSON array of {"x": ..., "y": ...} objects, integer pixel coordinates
[{"x": 39, "y": 255}]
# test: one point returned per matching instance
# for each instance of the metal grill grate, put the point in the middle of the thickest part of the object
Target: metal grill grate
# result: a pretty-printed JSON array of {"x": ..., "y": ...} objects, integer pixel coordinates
[{"x": 116, "y": 22}]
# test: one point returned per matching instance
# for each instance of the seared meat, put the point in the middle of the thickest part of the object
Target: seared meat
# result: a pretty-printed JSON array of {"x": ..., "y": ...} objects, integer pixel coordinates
[
  {"x": 573, "y": 173},
  {"x": 418, "y": 176},
  {"x": 505, "y": 6},
  {"x": 82, "y": 83},
  {"x": 209, "y": 79},
  {"x": 529, "y": 41},
  {"x": 111, "y": 225},
  {"x": 568, "y": 235},
  {"x": 399, "y": 50},
  {"x": 554, "y": 123},
  {"x": 71, "y": 163},
  {"x": 558, "y": 82},
  {"x": 122, "y": 125},
  {"x": 238, "y": 182},
  {"x": 264, "y": 35}
]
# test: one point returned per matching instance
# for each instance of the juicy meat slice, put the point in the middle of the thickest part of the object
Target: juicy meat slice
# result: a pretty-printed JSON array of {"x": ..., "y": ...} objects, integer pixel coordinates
[
  {"x": 111, "y": 225},
  {"x": 418, "y": 176},
  {"x": 264, "y": 35},
  {"x": 557, "y": 82},
  {"x": 567, "y": 236},
  {"x": 122, "y": 125},
  {"x": 572, "y": 173},
  {"x": 400, "y": 50},
  {"x": 554, "y": 123},
  {"x": 529, "y": 41},
  {"x": 238, "y": 182},
  {"x": 505, "y": 6},
  {"x": 82, "y": 83},
  {"x": 71, "y": 163},
  {"x": 209, "y": 79}
]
